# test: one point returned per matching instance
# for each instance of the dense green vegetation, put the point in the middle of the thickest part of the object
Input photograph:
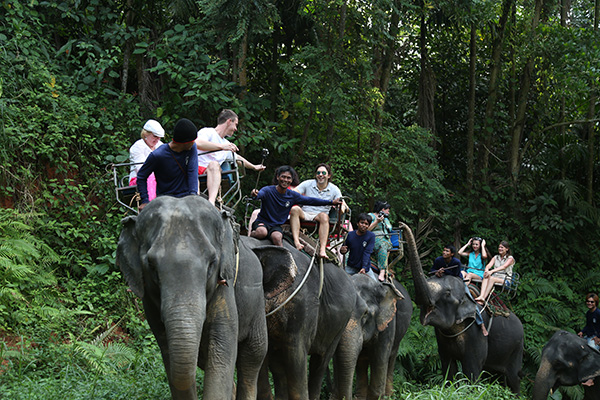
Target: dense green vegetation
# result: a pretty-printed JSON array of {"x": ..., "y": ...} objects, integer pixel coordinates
[{"x": 469, "y": 117}]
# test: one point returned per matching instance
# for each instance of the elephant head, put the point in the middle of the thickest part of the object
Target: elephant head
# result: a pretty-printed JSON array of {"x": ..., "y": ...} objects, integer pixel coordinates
[
  {"x": 567, "y": 360},
  {"x": 174, "y": 255},
  {"x": 443, "y": 301}
]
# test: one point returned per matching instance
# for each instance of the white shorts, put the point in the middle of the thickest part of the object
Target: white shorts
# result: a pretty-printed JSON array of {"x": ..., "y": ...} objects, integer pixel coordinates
[{"x": 308, "y": 216}]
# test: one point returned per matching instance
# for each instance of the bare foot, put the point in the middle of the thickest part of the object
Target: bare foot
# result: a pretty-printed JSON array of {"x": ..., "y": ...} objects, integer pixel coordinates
[
  {"x": 299, "y": 246},
  {"x": 485, "y": 331},
  {"x": 382, "y": 275},
  {"x": 323, "y": 254},
  {"x": 589, "y": 382}
]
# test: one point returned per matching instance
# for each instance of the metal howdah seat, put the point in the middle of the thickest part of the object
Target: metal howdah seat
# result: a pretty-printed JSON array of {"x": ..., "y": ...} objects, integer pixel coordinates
[
  {"x": 509, "y": 286},
  {"x": 231, "y": 190},
  {"x": 126, "y": 194}
]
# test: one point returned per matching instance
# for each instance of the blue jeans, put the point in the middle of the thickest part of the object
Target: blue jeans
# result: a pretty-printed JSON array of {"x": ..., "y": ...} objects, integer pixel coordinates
[{"x": 351, "y": 271}]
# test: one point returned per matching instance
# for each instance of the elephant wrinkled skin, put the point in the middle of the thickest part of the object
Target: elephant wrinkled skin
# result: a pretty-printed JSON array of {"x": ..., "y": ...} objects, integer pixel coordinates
[
  {"x": 446, "y": 306},
  {"x": 173, "y": 256},
  {"x": 567, "y": 360}
]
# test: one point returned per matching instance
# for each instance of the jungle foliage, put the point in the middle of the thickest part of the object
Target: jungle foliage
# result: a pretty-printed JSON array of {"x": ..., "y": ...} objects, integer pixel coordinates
[{"x": 472, "y": 118}]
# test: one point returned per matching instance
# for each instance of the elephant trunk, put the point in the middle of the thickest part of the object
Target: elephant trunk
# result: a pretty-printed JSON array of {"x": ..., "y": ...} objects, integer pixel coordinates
[
  {"x": 544, "y": 380},
  {"x": 183, "y": 325},
  {"x": 423, "y": 296}
]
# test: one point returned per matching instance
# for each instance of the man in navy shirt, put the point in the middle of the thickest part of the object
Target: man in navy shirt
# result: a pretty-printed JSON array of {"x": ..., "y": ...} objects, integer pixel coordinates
[
  {"x": 360, "y": 243},
  {"x": 175, "y": 165},
  {"x": 276, "y": 203},
  {"x": 447, "y": 264}
]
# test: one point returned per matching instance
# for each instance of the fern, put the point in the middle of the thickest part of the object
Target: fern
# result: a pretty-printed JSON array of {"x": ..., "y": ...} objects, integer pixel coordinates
[{"x": 104, "y": 356}]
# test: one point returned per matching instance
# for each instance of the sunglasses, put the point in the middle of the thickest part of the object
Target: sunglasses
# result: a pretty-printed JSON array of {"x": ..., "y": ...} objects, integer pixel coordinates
[
  {"x": 587, "y": 301},
  {"x": 321, "y": 172}
]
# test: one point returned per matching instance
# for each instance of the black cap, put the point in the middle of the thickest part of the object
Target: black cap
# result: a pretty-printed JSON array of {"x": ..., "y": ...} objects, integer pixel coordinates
[{"x": 185, "y": 131}]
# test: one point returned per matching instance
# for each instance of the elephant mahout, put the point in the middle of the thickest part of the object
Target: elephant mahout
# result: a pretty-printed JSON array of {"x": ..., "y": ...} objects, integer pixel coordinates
[
  {"x": 310, "y": 324},
  {"x": 202, "y": 293},
  {"x": 371, "y": 339},
  {"x": 446, "y": 306},
  {"x": 567, "y": 360}
]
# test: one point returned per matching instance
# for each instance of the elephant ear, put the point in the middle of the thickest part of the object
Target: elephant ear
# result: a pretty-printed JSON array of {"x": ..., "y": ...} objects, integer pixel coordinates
[
  {"x": 279, "y": 269},
  {"x": 128, "y": 256},
  {"x": 387, "y": 306}
]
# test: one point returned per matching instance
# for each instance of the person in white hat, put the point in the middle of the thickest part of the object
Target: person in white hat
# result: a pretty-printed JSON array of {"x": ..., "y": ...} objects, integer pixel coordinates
[{"x": 151, "y": 134}]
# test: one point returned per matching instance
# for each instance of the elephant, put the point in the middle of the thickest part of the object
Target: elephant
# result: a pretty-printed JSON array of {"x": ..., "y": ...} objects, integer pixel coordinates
[
  {"x": 567, "y": 360},
  {"x": 446, "y": 306},
  {"x": 203, "y": 293},
  {"x": 371, "y": 339},
  {"x": 310, "y": 324}
]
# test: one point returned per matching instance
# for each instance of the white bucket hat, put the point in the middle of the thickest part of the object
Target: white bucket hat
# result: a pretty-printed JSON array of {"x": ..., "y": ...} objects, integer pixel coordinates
[{"x": 155, "y": 127}]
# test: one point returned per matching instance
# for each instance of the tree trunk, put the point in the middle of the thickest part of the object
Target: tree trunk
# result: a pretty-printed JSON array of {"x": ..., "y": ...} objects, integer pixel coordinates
[
  {"x": 242, "y": 68},
  {"x": 525, "y": 85},
  {"x": 591, "y": 130},
  {"x": 488, "y": 124},
  {"x": 471, "y": 120},
  {"x": 382, "y": 82},
  {"x": 425, "y": 107}
]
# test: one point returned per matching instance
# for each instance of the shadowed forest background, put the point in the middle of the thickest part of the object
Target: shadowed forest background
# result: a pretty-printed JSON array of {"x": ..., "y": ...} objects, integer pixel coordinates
[{"x": 472, "y": 118}]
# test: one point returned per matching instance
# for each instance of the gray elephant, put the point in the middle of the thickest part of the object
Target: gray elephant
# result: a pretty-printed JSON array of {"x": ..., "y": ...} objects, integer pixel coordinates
[
  {"x": 371, "y": 339},
  {"x": 311, "y": 323},
  {"x": 446, "y": 306},
  {"x": 202, "y": 295},
  {"x": 567, "y": 360}
]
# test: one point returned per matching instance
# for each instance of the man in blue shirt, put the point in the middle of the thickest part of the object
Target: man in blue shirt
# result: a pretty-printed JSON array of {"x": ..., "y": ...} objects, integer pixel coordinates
[
  {"x": 175, "y": 165},
  {"x": 360, "y": 243},
  {"x": 276, "y": 203},
  {"x": 447, "y": 264}
]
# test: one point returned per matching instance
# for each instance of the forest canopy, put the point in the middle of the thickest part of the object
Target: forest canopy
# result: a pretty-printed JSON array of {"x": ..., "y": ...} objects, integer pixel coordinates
[{"x": 472, "y": 118}]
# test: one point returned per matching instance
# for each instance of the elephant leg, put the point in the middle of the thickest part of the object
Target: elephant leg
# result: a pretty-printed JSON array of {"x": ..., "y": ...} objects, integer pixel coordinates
[
  {"x": 264, "y": 387},
  {"x": 379, "y": 359},
  {"x": 296, "y": 374},
  {"x": 222, "y": 329},
  {"x": 344, "y": 362},
  {"x": 362, "y": 378},
  {"x": 389, "y": 382},
  {"x": 318, "y": 367},
  {"x": 249, "y": 361},
  {"x": 278, "y": 366}
]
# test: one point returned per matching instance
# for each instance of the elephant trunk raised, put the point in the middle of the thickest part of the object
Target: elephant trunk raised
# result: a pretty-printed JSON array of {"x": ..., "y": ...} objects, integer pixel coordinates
[{"x": 423, "y": 296}]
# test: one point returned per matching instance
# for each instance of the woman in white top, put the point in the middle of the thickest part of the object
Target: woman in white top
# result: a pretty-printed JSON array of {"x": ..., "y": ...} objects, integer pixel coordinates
[
  {"x": 150, "y": 141},
  {"x": 499, "y": 267}
]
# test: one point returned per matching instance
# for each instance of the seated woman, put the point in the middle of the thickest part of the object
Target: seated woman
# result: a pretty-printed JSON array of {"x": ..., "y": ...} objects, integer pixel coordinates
[
  {"x": 151, "y": 134},
  {"x": 381, "y": 227},
  {"x": 591, "y": 330},
  {"x": 477, "y": 259},
  {"x": 499, "y": 267}
]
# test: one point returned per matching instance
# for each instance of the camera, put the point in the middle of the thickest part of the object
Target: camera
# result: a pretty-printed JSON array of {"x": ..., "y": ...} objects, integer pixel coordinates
[{"x": 382, "y": 214}]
